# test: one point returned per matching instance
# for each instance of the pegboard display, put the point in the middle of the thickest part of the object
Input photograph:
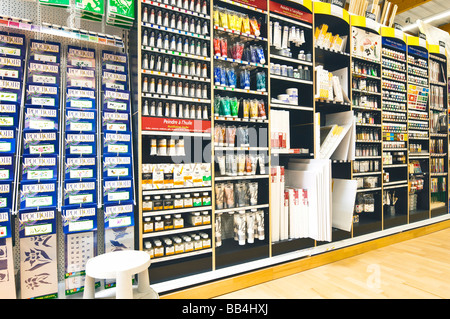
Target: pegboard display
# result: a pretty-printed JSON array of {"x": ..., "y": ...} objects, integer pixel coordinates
[{"x": 65, "y": 20}]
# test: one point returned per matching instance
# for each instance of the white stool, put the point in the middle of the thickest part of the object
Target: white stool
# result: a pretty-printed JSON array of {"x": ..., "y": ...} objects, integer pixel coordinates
[{"x": 121, "y": 266}]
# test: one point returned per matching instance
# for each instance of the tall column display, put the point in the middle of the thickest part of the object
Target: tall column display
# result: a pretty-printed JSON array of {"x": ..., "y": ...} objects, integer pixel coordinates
[
  {"x": 12, "y": 62},
  {"x": 117, "y": 159},
  {"x": 395, "y": 130},
  {"x": 241, "y": 133},
  {"x": 418, "y": 129},
  {"x": 79, "y": 202},
  {"x": 39, "y": 181}
]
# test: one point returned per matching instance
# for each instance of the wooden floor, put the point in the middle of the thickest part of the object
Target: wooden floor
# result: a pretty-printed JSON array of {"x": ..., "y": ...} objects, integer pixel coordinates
[{"x": 417, "y": 268}]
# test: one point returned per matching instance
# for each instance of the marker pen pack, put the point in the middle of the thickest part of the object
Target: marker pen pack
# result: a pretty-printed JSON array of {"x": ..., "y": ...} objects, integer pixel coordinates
[
  {"x": 80, "y": 57},
  {"x": 80, "y": 192},
  {"x": 5, "y": 224},
  {"x": 80, "y": 144},
  {"x": 34, "y": 195},
  {"x": 10, "y": 91},
  {"x": 12, "y": 44},
  {"x": 6, "y": 167},
  {"x": 119, "y": 215},
  {"x": 84, "y": 121},
  {"x": 79, "y": 219},
  {"x": 115, "y": 67},
  {"x": 36, "y": 142},
  {"x": 116, "y": 191},
  {"x": 80, "y": 98},
  {"x": 6, "y": 188},
  {"x": 116, "y": 143},
  {"x": 117, "y": 167},
  {"x": 11, "y": 72},
  {"x": 114, "y": 80},
  {"x": 118, "y": 100},
  {"x": 37, "y": 222},
  {"x": 43, "y": 73},
  {"x": 80, "y": 168},
  {"x": 39, "y": 118},
  {"x": 45, "y": 51},
  {"x": 7, "y": 142},
  {"x": 115, "y": 121},
  {"x": 39, "y": 168},
  {"x": 42, "y": 95},
  {"x": 109, "y": 58},
  {"x": 9, "y": 115},
  {"x": 80, "y": 77}
]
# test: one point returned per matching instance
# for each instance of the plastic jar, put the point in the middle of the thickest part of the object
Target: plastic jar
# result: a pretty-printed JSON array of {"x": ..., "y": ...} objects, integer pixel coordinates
[
  {"x": 206, "y": 219},
  {"x": 178, "y": 221},
  {"x": 148, "y": 225},
  {"x": 168, "y": 202},
  {"x": 178, "y": 202},
  {"x": 157, "y": 203},
  {"x": 197, "y": 200},
  {"x": 168, "y": 222},
  {"x": 187, "y": 201},
  {"x": 206, "y": 199},
  {"x": 158, "y": 224}
]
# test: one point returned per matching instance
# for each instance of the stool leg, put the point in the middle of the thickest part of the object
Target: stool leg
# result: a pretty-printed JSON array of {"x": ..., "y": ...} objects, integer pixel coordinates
[
  {"x": 89, "y": 288},
  {"x": 143, "y": 281},
  {"x": 124, "y": 287}
]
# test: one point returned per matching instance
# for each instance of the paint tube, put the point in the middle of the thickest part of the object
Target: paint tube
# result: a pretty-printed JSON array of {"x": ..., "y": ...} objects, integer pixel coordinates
[
  {"x": 220, "y": 192},
  {"x": 250, "y": 220},
  {"x": 218, "y": 229},
  {"x": 260, "y": 224},
  {"x": 245, "y": 108},
  {"x": 241, "y": 164},
  {"x": 261, "y": 110},
  {"x": 230, "y": 135},
  {"x": 234, "y": 106},
  {"x": 241, "y": 227},
  {"x": 262, "y": 166},
  {"x": 229, "y": 195},
  {"x": 217, "y": 102},
  {"x": 226, "y": 111},
  {"x": 231, "y": 77},
  {"x": 253, "y": 193},
  {"x": 221, "y": 162}
]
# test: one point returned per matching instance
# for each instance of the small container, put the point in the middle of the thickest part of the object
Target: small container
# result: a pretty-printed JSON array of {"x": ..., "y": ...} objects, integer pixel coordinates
[
  {"x": 188, "y": 244},
  {"x": 168, "y": 202},
  {"x": 197, "y": 200},
  {"x": 148, "y": 225},
  {"x": 147, "y": 204},
  {"x": 168, "y": 222},
  {"x": 178, "y": 221},
  {"x": 169, "y": 248},
  {"x": 206, "y": 219},
  {"x": 178, "y": 245},
  {"x": 149, "y": 249},
  {"x": 206, "y": 199},
  {"x": 158, "y": 248},
  {"x": 206, "y": 241},
  {"x": 158, "y": 223},
  {"x": 198, "y": 243},
  {"x": 178, "y": 202},
  {"x": 187, "y": 201},
  {"x": 157, "y": 203},
  {"x": 196, "y": 219}
]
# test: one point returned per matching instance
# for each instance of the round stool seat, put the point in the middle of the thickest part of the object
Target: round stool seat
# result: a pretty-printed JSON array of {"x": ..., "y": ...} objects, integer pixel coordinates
[
  {"x": 121, "y": 266},
  {"x": 107, "y": 266}
]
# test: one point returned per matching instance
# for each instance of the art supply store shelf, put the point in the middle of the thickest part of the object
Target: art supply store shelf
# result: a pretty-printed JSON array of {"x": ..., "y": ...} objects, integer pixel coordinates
[{"x": 235, "y": 98}]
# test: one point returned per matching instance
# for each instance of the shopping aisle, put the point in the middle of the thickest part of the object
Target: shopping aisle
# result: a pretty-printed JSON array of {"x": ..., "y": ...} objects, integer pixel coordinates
[{"x": 418, "y": 268}]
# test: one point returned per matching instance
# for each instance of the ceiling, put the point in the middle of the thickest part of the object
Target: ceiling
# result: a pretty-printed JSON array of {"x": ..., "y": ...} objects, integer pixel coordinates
[{"x": 411, "y": 10}]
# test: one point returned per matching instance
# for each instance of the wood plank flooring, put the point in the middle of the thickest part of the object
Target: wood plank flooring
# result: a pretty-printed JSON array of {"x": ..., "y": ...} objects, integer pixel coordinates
[{"x": 417, "y": 268}]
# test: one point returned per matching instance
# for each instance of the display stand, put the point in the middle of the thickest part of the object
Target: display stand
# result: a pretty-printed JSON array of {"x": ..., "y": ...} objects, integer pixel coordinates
[
  {"x": 438, "y": 129},
  {"x": 366, "y": 92},
  {"x": 174, "y": 128},
  {"x": 332, "y": 60},
  {"x": 241, "y": 154},
  {"x": 291, "y": 100},
  {"x": 395, "y": 139},
  {"x": 418, "y": 129}
]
